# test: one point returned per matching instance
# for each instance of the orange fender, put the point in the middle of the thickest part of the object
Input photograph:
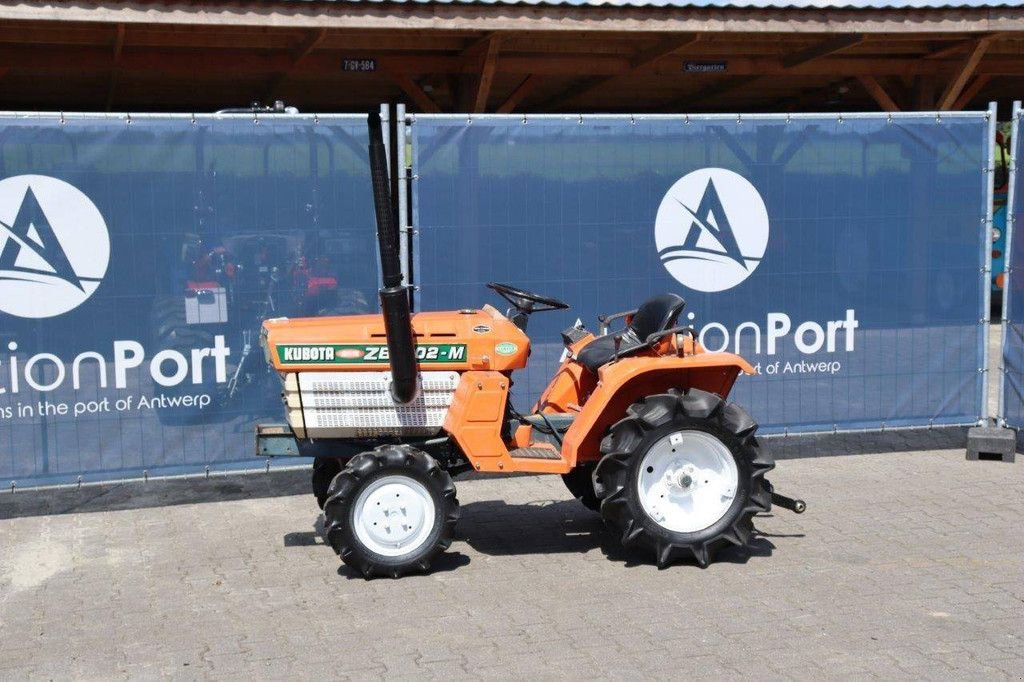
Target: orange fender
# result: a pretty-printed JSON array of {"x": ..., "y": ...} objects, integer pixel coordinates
[{"x": 622, "y": 383}]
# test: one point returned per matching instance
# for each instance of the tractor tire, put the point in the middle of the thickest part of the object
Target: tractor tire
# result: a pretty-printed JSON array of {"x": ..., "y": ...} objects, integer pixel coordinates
[
  {"x": 324, "y": 471},
  {"x": 390, "y": 511},
  {"x": 580, "y": 482},
  {"x": 683, "y": 475}
]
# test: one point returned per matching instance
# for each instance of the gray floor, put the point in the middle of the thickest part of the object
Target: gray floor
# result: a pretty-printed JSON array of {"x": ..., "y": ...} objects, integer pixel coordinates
[
  {"x": 908, "y": 564},
  {"x": 905, "y": 565}
]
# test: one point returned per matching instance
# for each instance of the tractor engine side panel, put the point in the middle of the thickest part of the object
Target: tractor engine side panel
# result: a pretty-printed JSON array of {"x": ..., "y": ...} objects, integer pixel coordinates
[
  {"x": 472, "y": 339},
  {"x": 359, "y": 404}
]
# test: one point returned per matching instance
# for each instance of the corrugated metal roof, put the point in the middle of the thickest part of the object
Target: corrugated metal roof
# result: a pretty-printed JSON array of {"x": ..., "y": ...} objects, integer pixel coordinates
[{"x": 734, "y": 4}]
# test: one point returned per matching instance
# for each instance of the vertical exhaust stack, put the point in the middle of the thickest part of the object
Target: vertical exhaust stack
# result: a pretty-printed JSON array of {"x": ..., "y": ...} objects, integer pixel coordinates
[{"x": 394, "y": 297}]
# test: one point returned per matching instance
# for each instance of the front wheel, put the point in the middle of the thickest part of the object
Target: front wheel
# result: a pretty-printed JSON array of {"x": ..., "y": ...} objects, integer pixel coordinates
[
  {"x": 390, "y": 511},
  {"x": 683, "y": 475},
  {"x": 324, "y": 471},
  {"x": 580, "y": 482}
]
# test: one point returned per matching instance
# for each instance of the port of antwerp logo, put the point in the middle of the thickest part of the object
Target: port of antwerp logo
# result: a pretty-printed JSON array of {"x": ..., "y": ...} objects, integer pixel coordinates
[
  {"x": 54, "y": 246},
  {"x": 711, "y": 230}
]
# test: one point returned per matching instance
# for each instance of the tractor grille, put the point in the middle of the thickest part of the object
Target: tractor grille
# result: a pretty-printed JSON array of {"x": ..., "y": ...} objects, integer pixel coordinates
[{"x": 359, "y": 404}]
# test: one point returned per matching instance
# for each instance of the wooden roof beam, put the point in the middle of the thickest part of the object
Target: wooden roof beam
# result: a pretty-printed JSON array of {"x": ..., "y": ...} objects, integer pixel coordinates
[
  {"x": 488, "y": 66},
  {"x": 966, "y": 70},
  {"x": 878, "y": 93},
  {"x": 643, "y": 58},
  {"x": 959, "y": 46},
  {"x": 303, "y": 50},
  {"x": 419, "y": 97},
  {"x": 478, "y": 46},
  {"x": 665, "y": 48},
  {"x": 242, "y": 63},
  {"x": 970, "y": 91},
  {"x": 311, "y": 42},
  {"x": 521, "y": 91},
  {"x": 119, "y": 36},
  {"x": 822, "y": 49}
]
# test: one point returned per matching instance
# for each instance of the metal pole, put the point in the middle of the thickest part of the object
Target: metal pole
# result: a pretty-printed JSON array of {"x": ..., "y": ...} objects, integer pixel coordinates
[
  {"x": 1008, "y": 258},
  {"x": 986, "y": 273},
  {"x": 403, "y": 200}
]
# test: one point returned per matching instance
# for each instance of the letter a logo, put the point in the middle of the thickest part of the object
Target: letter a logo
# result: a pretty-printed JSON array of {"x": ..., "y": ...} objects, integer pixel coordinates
[
  {"x": 711, "y": 230},
  {"x": 54, "y": 246}
]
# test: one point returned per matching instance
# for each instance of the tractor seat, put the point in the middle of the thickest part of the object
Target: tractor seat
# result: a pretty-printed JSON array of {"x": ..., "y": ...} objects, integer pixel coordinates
[{"x": 655, "y": 315}]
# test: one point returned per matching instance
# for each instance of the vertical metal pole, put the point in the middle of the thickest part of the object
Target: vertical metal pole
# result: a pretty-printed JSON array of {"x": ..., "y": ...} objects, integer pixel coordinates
[
  {"x": 986, "y": 273},
  {"x": 413, "y": 206},
  {"x": 403, "y": 199},
  {"x": 1008, "y": 256},
  {"x": 384, "y": 122}
]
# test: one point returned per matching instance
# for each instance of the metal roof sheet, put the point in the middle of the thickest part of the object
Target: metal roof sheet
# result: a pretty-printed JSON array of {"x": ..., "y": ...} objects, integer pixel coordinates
[{"x": 733, "y": 4}]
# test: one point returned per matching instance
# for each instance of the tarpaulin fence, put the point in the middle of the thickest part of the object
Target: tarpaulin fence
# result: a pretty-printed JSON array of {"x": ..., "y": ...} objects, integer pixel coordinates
[
  {"x": 844, "y": 255},
  {"x": 138, "y": 256},
  {"x": 1011, "y": 393}
]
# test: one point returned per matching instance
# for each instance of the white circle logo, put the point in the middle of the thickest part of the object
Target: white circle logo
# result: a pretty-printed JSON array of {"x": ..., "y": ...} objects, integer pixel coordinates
[
  {"x": 711, "y": 230},
  {"x": 54, "y": 246}
]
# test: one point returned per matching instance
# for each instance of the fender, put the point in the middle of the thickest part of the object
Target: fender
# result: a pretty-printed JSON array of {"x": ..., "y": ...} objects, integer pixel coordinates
[{"x": 622, "y": 383}]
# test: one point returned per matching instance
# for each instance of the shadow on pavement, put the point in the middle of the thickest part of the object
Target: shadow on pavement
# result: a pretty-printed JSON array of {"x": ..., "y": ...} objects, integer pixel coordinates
[
  {"x": 448, "y": 561},
  {"x": 497, "y": 528}
]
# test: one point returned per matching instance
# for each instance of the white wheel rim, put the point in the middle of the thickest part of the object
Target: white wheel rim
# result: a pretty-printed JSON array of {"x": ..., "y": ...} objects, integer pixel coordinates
[
  {"x": 394, "y": 515},
  {"x": 687, "y": 481}
]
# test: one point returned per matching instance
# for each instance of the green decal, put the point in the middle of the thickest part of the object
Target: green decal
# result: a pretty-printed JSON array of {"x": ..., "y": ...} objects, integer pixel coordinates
[
  {"x": 506, "y": 348},
  {"x": 368, "y": 354}
]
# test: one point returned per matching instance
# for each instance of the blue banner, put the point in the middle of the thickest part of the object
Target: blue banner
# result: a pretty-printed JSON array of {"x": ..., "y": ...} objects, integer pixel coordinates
[
  {"x": 138, "y": 257},
  {"x": 1009, "y": 195},
  {"x": 842, "y": 256}
]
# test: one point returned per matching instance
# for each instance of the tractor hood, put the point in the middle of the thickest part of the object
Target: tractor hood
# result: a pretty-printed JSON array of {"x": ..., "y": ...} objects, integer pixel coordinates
[{"x": 458, "y": 340}]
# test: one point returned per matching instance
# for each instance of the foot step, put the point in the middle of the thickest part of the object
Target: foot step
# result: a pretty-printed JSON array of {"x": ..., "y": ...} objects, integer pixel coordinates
[{"x": 535, "y": 453}]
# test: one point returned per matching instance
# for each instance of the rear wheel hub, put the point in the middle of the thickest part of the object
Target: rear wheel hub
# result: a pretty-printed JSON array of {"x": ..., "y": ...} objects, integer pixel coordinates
[{"x": 687, "y": 481}]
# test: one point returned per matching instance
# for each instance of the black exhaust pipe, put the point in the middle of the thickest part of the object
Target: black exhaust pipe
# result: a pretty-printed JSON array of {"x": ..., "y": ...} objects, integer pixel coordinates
[{"x": 394, "y": 296}]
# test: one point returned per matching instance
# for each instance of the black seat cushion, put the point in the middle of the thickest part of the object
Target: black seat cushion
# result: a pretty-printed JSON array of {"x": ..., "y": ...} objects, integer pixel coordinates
[{"x": 656, "y": 314}]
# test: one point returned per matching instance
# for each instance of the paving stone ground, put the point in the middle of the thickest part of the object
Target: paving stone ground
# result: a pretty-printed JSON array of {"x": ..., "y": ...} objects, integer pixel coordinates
[
  {"x": 909, "y": 564},
  {"x": 906, "y": 565}
]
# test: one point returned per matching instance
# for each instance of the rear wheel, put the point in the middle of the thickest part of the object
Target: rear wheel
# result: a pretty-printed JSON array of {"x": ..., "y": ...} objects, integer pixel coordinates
[
  {"x": 683, "y": 475},
  {"x": 391, "y": 511}
]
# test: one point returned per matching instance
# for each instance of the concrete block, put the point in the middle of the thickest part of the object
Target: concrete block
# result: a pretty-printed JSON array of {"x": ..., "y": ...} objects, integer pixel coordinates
[{"x": 991, "y": 443}]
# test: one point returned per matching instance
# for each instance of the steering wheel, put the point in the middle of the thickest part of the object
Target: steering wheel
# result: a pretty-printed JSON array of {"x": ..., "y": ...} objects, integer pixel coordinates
[{"x": 526, "y": 301}]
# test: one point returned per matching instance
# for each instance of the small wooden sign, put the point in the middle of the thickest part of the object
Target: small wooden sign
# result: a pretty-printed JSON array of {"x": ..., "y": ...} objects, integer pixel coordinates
[
  {"x": 359, "y": 65},
  {"x": 705, "y": 67}
]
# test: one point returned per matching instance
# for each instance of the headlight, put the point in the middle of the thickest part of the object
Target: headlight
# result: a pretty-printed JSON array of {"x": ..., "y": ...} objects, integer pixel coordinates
[{"x": 996, "y": 234}]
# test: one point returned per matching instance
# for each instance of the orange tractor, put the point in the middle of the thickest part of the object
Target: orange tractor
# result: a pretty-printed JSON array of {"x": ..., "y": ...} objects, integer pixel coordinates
[{"x": 393, "y": 405}]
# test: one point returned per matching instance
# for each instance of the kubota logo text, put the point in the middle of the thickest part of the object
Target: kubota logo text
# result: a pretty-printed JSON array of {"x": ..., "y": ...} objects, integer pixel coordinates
[
  {"x": 711, "y": 230},
  {"x": 54, "y": 246}
]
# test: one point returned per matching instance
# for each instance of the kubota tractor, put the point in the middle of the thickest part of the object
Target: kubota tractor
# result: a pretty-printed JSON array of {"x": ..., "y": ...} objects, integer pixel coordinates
[{"x": 393, "y": 405}]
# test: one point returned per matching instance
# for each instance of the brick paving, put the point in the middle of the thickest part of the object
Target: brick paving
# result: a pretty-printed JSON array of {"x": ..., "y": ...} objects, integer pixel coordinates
[{"x": 906, "y": 565}]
